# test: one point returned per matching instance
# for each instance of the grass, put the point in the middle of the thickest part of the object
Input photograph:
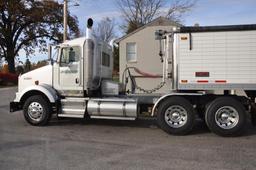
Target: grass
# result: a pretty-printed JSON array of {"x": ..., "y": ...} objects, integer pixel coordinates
[{"x": 116, "y": 78}]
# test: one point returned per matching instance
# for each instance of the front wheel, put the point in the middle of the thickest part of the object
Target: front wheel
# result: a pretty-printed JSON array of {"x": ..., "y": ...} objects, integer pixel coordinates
[
  {"x": 37, "y": 110},
  {"x": 176, "y": 116},
  {"x": 226, "y": 116}
]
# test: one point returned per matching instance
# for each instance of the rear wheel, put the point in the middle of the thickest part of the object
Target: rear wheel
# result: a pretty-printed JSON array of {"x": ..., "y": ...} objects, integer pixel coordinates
[
  {"x": 37, "y": 110},
  {"x": 226, "y": 116},
  {"x": 176, "y": 116}
]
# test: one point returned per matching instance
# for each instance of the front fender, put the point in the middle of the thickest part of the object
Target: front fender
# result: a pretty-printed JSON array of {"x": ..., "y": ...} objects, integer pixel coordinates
[{"x": 47, "y": 90}]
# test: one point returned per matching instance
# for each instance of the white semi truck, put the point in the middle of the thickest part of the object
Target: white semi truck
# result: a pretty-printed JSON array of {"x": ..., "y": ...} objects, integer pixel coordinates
[{"x": 203, "y": 59}]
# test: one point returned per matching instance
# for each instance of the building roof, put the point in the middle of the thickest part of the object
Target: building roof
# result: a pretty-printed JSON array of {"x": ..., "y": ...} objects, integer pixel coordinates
[{"x": 160, "y": 21}]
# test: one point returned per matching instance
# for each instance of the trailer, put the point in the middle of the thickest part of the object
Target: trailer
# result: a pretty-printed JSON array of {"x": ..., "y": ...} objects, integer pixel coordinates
[{"x": 203, "y": 59}]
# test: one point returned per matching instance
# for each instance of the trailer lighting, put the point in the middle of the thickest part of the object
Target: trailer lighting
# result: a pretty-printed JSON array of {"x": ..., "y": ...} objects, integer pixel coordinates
[
  {"x": 184, "y": 38},
  {"x": 184, "y": 81},
  {"x": 202, "y": 81},
  {"x": 220, "y": 81}
]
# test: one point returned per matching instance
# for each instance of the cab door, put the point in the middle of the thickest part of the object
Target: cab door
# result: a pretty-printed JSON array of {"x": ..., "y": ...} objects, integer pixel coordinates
[{"x": 70, "y": 71}]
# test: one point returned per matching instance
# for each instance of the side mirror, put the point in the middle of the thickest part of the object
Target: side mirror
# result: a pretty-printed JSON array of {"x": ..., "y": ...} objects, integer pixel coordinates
[
  {"x": 159, "y": 34},
  {"x": 72, "y": 55},
  {"x": 50, "y": 54}
]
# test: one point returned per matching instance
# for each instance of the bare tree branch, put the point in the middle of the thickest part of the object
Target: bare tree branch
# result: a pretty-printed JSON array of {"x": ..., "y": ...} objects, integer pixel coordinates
[
  {"x": 178, "y": 8},
  {"x": 137, "y": 13},
  {"x": 105, "y": 30}
]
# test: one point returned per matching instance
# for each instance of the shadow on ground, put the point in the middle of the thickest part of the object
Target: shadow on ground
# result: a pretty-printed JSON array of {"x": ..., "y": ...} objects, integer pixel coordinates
[{"x": 199, "y": 128}]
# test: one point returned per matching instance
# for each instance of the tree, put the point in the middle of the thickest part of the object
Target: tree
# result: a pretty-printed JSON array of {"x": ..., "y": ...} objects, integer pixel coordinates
[
  {"x": 1, "y": 64},
  {"x": 39, "y": 64},
  {"x": 132, "y": 25},
  {"x": 137, "y": 13},
  {"x": 105, "y": 29},
  {"x": 178, "y": 8},
  {"x": 27, "y": 24},
  {"x": 116, "y": 58},
  {"x": 27, "y": 65}
]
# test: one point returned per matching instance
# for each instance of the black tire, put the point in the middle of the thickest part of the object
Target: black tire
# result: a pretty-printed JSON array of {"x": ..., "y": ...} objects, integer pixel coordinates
[
  {"x": 190, "y": 118},
  {"x": 235, "y": 129},
  {"x": 45, "y": 110}
]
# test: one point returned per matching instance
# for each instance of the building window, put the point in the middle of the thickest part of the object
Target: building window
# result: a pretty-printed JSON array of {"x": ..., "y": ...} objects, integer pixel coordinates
[
  {"x": 105, "y": 59},
  {"x": 131, "y": 55}
]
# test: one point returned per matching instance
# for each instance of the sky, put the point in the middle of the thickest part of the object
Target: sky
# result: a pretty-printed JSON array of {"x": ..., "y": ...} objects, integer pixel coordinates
[{"x": 205, "y": 12}]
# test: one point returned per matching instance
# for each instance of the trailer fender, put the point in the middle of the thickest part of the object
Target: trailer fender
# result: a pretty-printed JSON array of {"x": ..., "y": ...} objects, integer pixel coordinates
[
  {"x": 45, "y": 89},
  {"x": 170, "y": 95}
]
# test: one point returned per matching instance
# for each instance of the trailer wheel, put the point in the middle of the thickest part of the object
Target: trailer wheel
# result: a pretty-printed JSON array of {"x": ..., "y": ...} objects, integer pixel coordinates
[
  {"x": 176, "y": 116},
  {"x": 226, "y": 116},
  {"x": 37, "y": 110}
]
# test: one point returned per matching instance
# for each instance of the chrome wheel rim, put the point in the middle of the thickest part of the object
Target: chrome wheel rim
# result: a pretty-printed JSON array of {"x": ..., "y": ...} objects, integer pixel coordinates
[
  {"x": 176, "y": 116},
  {"x": 35, "y": 111},
  {"x": 227, "y": 117}
]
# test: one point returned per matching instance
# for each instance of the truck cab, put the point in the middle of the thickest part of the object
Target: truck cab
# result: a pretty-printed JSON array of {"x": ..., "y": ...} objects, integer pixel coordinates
[
  {"x": 81, "y": 66},
  {"x": 81, "y": 69}
]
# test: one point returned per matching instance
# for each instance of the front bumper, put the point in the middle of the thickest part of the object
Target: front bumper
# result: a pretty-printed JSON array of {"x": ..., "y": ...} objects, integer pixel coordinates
[{"x": 15, "y": 106}]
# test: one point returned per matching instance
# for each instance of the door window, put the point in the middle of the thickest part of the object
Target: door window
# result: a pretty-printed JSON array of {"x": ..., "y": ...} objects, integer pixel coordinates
[{"x": 70, "y": 55}]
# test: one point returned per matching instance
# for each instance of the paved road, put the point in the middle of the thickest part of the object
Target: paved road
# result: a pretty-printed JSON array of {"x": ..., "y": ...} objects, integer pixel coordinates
[{"x": 73, "y": 144}]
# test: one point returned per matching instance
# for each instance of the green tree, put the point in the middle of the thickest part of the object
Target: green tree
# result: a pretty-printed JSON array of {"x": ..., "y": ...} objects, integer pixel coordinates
[{"x": 27, "y": 24}]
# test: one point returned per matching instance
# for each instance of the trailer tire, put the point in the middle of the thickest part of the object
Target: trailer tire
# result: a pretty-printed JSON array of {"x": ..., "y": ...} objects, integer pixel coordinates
[
  {"x": 226, "y": 116},
  {"x": 176, "y": 115},
  {"x": 37, "y": 110}
]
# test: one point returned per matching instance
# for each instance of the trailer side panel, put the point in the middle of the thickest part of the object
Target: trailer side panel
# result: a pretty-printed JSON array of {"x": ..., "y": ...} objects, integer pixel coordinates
[{"x": 216, "y": 60}]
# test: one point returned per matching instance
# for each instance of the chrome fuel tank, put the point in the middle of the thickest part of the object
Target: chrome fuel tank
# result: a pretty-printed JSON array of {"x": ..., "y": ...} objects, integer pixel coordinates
[{"x": 112, "y": 107}]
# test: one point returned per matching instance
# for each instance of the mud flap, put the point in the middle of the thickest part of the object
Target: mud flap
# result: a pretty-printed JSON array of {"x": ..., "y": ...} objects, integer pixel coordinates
[
  {"x": 14, "y": 106},
  {"x": 253, "y": 114}
]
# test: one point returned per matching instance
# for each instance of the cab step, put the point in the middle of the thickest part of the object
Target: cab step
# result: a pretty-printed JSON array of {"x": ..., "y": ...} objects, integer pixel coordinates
[
  {"x": 73, "y": 107},
  {"x": 112, "y": 117}
]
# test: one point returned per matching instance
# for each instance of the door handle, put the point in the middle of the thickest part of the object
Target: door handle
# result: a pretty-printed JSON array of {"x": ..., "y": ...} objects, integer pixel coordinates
[{"x": 77, "y": 80}]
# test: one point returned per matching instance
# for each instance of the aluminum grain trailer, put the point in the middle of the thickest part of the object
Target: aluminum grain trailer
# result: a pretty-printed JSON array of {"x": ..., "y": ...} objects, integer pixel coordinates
[{"x": 217, "y": 59}]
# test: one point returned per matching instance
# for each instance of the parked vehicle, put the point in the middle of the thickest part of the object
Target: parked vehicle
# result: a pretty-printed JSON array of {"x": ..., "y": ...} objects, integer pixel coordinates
[{"x": 204, "y": 59}]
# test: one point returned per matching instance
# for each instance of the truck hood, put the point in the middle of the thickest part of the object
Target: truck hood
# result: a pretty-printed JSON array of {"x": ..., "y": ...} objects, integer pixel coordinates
[{"x": 43, "y": 75}]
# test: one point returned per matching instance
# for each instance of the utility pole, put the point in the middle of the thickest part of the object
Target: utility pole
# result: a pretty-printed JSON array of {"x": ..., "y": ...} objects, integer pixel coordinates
[{"x": 65, "y": 19}]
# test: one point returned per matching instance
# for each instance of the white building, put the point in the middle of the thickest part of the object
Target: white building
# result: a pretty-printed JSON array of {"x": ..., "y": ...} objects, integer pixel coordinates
[{"x": 140, "y": 49}]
